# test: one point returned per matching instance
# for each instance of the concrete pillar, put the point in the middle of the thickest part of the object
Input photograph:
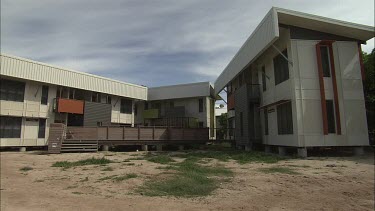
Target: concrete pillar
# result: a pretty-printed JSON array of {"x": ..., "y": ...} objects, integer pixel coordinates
[
  {"x": 145, "y": 148},
  {"x": 247, "y": 148},
  {"x": 302, "y": 152},
  {"x": 22, "y": 149},
  {"x": 267, "y": 149},
  {"x": 105, "y": 148},
  {"x": 159, "y": 147},
  {"x": 282, "y": 151},
  {"x": 181, "y": 147},
  {"x": 358, "y": 151}
]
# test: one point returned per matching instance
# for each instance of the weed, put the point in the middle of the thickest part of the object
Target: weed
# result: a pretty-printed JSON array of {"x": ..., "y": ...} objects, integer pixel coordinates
[
  {"x": 282, "y": 170},
  {"x": 90, "y": 161},
  {"x": 107, "y": 178},
  {"x": 125, "y": 177},
  {"x": 162, "y": 159},
  {"x": 26, "y": 168},
  {"x": 108, "y": 169}
]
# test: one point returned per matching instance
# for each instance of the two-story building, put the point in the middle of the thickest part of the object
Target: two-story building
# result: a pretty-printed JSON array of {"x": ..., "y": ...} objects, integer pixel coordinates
[{"x": 297, "y": 82}]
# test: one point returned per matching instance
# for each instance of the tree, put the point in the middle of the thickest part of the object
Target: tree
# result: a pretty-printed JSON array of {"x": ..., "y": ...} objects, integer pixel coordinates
[{"x": 369, "y": 88}]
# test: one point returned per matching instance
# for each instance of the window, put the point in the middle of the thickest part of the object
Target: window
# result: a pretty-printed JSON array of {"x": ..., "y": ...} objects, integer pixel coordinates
[
  {"x": 95, "y": 97},
  {"x": 42, "y": 128},
  {"x": 146, "y": 106},
  {"x": 135, "y": 109},
  {"x": 10, "y": 127},
  {"x": 44, "y": 99},
  {"x": 12, "y": 90},
  {"x": 284, "y": 119},
  {"x": 200, "y": 124},
  {"x": 241, "y": 123},
  {"x": 200, "y": 105},
  {"x": 281, "y": 68},
  {"x": 330, "y": 116},
  {"x": 265, "y": 121},
  {"x": 109, "y": 99},
  {"x": 325, "y": 61},
  {"x": 126, "y": 106},
  {"x": 264, "y": 78},
  {"x": 240, "y": 80}
]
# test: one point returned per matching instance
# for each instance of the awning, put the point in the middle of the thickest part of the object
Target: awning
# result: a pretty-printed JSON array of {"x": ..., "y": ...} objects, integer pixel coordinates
[{"x": 274, "y": 104}]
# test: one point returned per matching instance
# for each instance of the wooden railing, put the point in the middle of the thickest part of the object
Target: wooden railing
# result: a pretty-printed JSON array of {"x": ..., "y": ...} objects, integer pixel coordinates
[{"x": 113, "y": 133}]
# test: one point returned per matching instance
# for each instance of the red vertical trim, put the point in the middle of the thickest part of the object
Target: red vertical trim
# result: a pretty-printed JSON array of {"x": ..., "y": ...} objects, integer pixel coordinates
[
  {"x": 322, "y": 94},
  {"x": 361, "y": 62},
  {"x": 335, "y": 93}
]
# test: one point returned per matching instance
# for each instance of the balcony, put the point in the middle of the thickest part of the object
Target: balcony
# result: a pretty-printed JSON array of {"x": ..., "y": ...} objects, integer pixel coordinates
[
  {"x": 151, "y": 114},
  {"x": 62, "y": 105}
]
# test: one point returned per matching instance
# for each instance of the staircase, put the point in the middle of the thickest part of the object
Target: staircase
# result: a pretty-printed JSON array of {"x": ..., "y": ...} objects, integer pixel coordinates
[{"x": 79, "y": 146}]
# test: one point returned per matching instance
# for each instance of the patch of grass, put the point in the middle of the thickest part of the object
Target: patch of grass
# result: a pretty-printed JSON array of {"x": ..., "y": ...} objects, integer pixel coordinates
[
  {"x": 191, "y": 180},
  {"x": 26, "y": 168},
  {"x": 282, "y": 170},
  {"x": 107, "y": 178},
  {"x": 125, "y": 177},
  {"x": 108, "y": 169},
  {"x": 162, "y": 159},
  {"x": 71, "y": 187},
  {"x": 129, "y": 164},
  {"x": 90, "y": 161},
  {"x": 240, "y": 156}
]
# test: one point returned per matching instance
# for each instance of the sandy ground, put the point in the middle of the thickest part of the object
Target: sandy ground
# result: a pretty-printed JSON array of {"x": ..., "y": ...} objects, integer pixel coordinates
[{"x": 347, "y": 186}]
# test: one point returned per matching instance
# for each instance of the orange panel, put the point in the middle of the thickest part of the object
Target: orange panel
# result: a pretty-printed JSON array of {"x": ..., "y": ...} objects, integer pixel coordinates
[{"x": 70, "y": 106}]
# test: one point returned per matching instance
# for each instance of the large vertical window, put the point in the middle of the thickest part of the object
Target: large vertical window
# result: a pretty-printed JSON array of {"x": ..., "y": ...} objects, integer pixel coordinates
[
  {"x": 200, "y": 102},
  {"x": 265, "y": 121},
  {"x": 284, "y": 119},
  {"x": 325, "y": 61},
  {"x": 241, "y": 124},
  {"x": 42, "y": 128},
  {"x": 330, "y": 116},
  {"x": 10, "y": 127},
  {"x": 264, "y": 83},
  {"x": 281, "y": 67},
  {"x": 12, "y": 90},
  {"x": 126, "y": 106},
  {"x": 44, "y": 99}
]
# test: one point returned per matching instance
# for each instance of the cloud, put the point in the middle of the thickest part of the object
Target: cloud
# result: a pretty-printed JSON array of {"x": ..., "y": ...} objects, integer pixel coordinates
[{"x": 148, "y": 42}]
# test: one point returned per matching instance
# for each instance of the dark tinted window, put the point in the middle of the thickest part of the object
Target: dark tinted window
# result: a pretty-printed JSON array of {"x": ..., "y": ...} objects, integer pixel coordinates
[
  {"x": 12, "y": 90},
  {"x": 42, "y": 128},
  {"x": 281, "y": 68},
  {"x": 44, "y": 99},
  {"x": 264, "y": 78},
  {"x": 284, "y": 119},
  {"x": 201, "y": 105},
  {"x": 126, "y": 106},
  {"x": 330, "y": 116},
  {"x": 325, "y": 61},
  {"x": 10, "y": 127}
]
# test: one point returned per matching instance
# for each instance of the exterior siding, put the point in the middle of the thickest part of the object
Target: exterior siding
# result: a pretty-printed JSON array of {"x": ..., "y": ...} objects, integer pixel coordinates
[{"x": 97, "y": 112}]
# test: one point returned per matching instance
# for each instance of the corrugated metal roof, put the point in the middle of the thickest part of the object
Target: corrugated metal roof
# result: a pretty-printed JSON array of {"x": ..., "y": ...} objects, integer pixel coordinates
[
  {"x": 267, "y": 33},
  {"x": 201, "y": 89},
  {"x": 31, "y": 70}
]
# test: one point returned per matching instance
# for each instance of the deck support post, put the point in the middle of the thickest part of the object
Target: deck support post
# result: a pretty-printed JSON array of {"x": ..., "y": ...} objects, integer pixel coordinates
[
  {"x": 145, "y": 148},
  {"x": 358, "y": 151},
  {"x": 302, "y": 152},
  {"x": 267, "y": 149},
  {"x": 159, "y": 147},
  {"x": 105, "y": 148},
  {"x": 181, "y": 147},
  {"x": 22, "y": 149},
  {"x": 282, "y": 151}
]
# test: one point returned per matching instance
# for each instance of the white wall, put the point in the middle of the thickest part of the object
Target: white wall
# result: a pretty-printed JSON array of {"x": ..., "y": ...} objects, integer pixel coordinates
[
  {"x": 29, "y": 108},
  {"x": 350, "y": 95}
]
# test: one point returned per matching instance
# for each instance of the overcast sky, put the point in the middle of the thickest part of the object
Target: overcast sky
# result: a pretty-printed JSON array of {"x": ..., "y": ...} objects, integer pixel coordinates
[{"x": 150, "y": 42}]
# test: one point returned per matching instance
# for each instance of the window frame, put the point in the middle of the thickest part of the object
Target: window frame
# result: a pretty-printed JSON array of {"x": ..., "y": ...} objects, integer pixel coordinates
[
  {"x": 44, "y": 97},
  {"x": 42, "y": 128},
  {"x": 126, "y": 106},
  {"x": 281, "y": 67},
  {"x": 284, "y": 119}
]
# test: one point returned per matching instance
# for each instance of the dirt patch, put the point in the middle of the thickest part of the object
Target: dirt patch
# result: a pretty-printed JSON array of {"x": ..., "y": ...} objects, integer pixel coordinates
[{"x": 321, "y": 184}]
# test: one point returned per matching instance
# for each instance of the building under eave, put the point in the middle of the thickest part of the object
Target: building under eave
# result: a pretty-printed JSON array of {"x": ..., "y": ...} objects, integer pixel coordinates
[{"x": 297, "y": 82}]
